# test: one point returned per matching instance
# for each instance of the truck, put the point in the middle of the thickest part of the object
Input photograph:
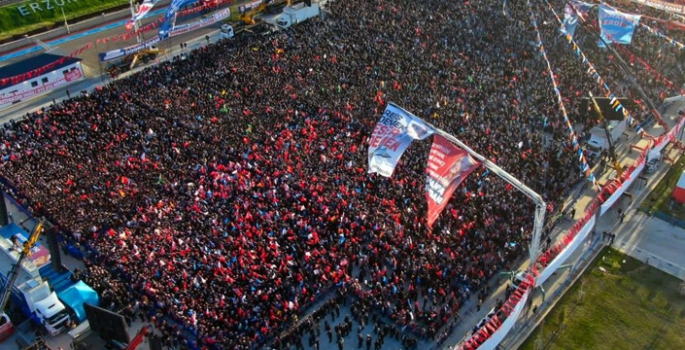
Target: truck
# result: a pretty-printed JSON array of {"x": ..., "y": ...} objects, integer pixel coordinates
[
  {"x": 45, "y": 306},
  {"x": 297, "y": 13},
  {"x": 227, "y": 31},
  {"x": 34, "y": 288},
  {"x": 21, "y": 283},
  {"x": 598, "y": 142}
]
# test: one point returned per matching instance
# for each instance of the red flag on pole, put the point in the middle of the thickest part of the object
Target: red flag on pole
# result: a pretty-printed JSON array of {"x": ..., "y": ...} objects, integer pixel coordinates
[{"x": 448, "y": 165}]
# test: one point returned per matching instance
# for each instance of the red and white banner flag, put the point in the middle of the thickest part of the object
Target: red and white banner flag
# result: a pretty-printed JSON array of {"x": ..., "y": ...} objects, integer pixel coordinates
[
  {"x": 448, "y": 166},
  {"x": 143, "y": 10}
]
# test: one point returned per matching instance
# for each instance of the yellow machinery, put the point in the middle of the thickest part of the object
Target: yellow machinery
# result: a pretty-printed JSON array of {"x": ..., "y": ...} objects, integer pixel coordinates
[
  {"x": 23, "y": 254},
  {"x": 130, "y": 61},
  {"x": 612, "y": 150},
  {"x": 247, "y": 18}
]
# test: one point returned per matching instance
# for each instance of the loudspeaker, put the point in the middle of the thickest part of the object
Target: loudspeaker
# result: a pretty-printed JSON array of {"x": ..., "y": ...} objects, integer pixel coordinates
[
  {"x": 609, "y": 110},
  {"x": 53, "y": 247},
  {"x": 4, "y": 219}
]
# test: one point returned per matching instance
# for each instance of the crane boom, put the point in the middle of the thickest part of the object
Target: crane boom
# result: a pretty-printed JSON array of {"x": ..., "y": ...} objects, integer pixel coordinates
[
  {"x": 23, "y": 254},
  {"x": 610, "y": 140}
]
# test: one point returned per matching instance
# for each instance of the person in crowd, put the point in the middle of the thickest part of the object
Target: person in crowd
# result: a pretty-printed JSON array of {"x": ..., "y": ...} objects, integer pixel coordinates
[{"x": 223, "y": 193}]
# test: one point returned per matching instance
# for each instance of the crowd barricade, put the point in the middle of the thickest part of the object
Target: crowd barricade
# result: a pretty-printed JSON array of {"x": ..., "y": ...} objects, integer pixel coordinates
[{"x": 554, "y": 257}]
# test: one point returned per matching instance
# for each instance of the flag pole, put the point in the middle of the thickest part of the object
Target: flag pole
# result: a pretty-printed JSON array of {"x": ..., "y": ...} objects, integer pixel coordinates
[
  {"x": 540, "y": 205},
  {"x": 136, "y": 26}
]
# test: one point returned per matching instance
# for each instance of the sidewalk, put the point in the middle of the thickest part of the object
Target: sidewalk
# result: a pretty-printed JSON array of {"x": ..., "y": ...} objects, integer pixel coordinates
[{"x": 630, "y": 234}]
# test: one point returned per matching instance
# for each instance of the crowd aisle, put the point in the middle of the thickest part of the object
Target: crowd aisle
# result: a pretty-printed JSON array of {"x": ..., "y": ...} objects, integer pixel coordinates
[{"x": 224, "y": 191}]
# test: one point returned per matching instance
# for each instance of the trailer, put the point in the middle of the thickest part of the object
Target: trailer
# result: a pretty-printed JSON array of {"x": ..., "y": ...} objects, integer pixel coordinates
[{"x": 296, "y": 14}]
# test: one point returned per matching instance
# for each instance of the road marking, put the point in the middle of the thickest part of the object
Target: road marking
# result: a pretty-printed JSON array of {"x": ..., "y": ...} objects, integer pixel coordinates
[{"x": 68, "y": 38}]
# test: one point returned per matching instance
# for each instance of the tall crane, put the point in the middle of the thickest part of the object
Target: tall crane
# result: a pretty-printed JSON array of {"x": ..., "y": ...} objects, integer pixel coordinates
[
  {"x": 16, "y": 268},
  {"x": 612, "y": 150}
]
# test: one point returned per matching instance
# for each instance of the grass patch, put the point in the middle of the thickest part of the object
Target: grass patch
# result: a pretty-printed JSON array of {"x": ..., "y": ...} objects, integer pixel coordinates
[
  {"x": 660, "y": 198},
  {"x": 13, "y": 23},
  {"x": 629, "y": 306}
]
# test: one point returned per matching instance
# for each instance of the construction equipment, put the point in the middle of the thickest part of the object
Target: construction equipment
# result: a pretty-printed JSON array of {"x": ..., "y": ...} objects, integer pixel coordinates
[
  {"x": 610, "y": 139},
  {"x": 129, "y": 62},
  {"x": 23, "y": 254},
  {"x": 247, "y": 18}
]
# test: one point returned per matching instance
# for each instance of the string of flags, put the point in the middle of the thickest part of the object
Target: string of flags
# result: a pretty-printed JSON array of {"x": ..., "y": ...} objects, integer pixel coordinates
[
  {"x": 663, "y": 36},
  {"x": 615, "y": 103},
  {"x": 607, "y": 35},
  {"x": 584, "y": 166},
  {"x": 39, "y": 71},
  {"x": 651, "y": 69},
  {"x": 122, "y": 37}
]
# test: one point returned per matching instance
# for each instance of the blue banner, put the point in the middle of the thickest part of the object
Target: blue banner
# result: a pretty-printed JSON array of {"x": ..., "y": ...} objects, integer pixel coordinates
[
  {"x": 616, "y": 27},
  {"x": 568, "y": 27},
  {"x": 581, "y": 8},
  {"x": 170, "y": 16}
]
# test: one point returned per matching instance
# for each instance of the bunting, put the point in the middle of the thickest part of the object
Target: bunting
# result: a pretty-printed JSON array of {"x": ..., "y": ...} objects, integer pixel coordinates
[
  {"x": 663, "y": 36},
  {"x": 584, "y": 166},
  {"x": 39, "y": 71},
  {"x": 592, "y": 72}
]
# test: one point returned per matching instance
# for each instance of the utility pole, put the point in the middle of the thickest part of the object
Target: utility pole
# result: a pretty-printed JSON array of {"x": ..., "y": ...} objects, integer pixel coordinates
[{"x": 65, "y": 20}]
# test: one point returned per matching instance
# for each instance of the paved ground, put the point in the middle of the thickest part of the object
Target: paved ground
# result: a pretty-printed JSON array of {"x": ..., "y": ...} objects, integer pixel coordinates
[
  {"x": 469, "y": 317},
  {"x": 659, "y": 243},
  {"x": 640, "y": 236},
  {"x": 20, "y": 217}
]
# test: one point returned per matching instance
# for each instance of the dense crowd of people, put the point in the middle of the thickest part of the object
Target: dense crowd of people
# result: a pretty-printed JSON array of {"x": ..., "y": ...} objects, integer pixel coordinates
[{"x": 228, "y": 188}]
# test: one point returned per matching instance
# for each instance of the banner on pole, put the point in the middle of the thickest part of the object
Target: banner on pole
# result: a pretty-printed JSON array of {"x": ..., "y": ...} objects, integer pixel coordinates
[
  {"x": 568, "y": 27},
  {"x": 178, "y": 30},
  {"x": 615, "y": 26},
  {"x": 581, "y": 8},
  {"x": 392, "y": 135},
  {"x": 143, "y": 10},
  {"x": 448, "y": 166},
  {"x": 170, "y": 16}
]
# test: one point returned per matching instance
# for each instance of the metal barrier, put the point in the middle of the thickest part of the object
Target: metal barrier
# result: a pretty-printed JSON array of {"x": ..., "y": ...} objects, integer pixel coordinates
[{"x": 668, "y": 218}]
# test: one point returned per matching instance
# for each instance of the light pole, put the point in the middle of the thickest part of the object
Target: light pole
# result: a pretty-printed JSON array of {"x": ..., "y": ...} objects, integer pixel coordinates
[{"x": 65, "y": 20}]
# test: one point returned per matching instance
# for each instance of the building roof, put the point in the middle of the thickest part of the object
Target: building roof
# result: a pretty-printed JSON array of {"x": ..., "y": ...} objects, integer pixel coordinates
[{"x": 35, "y": 62}]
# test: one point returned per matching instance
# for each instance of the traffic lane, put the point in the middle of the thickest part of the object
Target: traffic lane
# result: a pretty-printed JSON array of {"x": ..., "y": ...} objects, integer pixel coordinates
[
  {"x": 19, "y": 111},
  {"x": 90, "y": 57}
]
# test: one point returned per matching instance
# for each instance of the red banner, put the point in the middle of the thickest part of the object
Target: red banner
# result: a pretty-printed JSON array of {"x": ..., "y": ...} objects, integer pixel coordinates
[{"x": 448, "y": 166}]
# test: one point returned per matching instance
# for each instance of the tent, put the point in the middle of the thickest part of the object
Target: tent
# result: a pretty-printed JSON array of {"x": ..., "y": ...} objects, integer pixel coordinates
[
  {"x": 75, "y": 296},
  {"x": 679, "y": 191}
]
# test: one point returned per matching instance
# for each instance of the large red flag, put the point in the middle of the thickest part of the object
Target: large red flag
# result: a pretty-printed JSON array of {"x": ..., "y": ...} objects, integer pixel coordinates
[{"x": 448, "y": 166}]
